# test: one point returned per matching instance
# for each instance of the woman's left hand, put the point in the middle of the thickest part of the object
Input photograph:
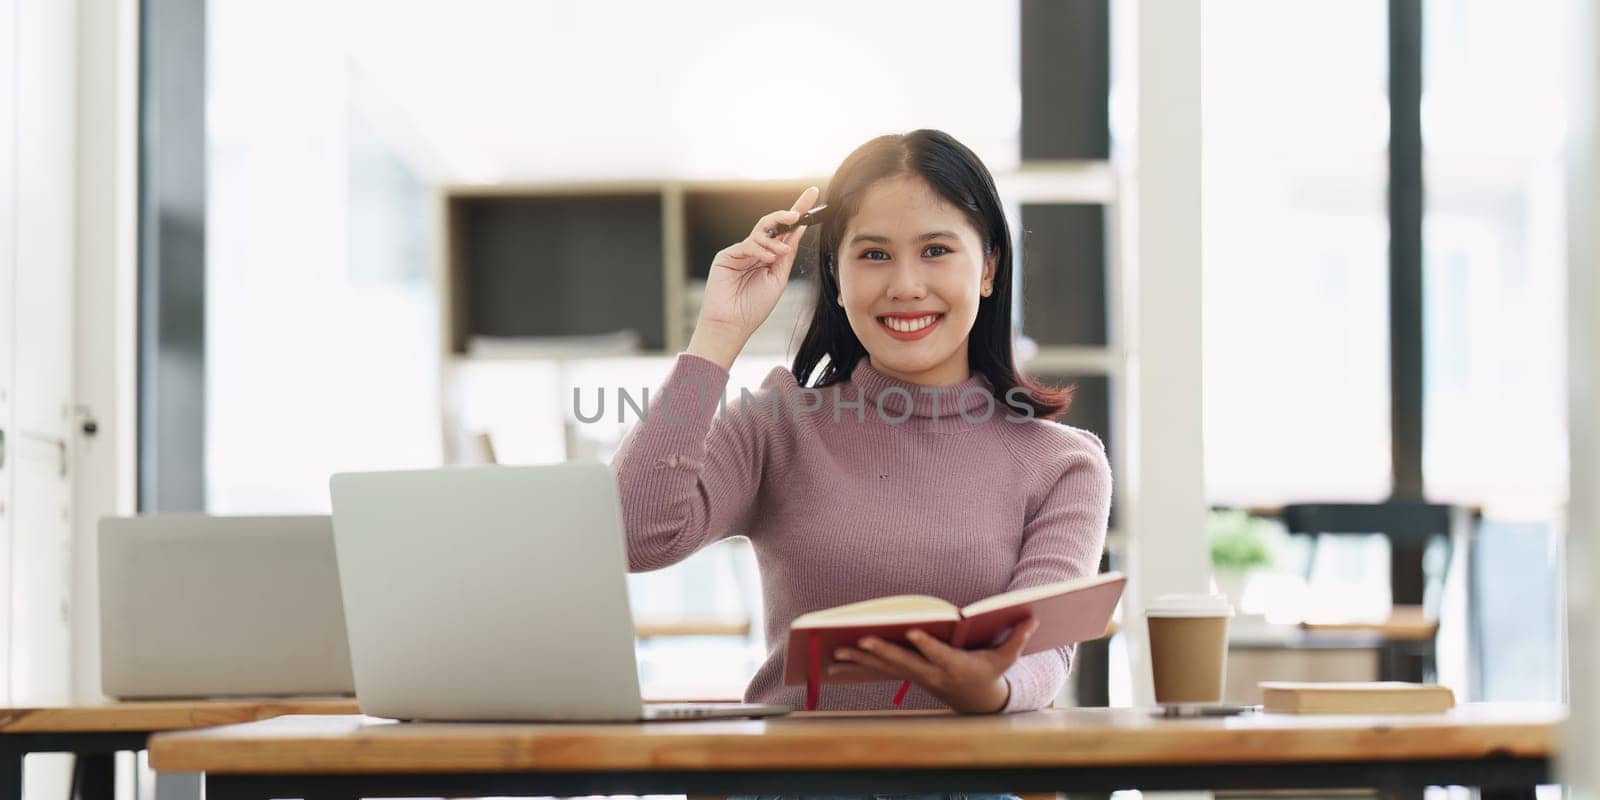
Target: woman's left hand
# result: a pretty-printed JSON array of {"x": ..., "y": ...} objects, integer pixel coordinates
[{"x": 970, "y": 681}]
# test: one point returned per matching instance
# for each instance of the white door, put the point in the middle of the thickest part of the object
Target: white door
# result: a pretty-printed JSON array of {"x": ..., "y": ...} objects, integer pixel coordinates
[
  {"x": 38, "y": 313},
  {"x": 41, "y": 578},
  {"x": 41, "y": 351}
]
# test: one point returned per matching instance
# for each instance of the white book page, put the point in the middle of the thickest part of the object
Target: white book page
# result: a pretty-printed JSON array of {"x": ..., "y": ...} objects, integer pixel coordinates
[{"x": 880, "y": 611}]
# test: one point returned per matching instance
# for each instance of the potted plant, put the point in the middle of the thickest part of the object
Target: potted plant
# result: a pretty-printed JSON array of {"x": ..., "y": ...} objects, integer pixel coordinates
[{"x": 1239, "y": 544}]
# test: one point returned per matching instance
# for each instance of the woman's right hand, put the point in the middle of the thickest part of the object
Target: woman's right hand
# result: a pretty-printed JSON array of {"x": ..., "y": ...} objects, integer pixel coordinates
[{"x": 748, "y": 277}]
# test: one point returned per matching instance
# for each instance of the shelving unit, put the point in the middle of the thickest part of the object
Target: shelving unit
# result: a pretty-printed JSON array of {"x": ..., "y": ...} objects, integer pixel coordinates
[
  {"x": 563, "y": 260},
  {"x": 558, "y": 273}
]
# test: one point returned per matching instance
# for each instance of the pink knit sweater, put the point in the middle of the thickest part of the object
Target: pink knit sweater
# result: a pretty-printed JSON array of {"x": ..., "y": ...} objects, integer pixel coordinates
[{"x": 871, "y": 487}]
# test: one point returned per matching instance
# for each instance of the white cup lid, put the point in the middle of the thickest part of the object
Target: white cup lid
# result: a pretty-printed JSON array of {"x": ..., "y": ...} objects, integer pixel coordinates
[{"x": 1190, "y": 605}]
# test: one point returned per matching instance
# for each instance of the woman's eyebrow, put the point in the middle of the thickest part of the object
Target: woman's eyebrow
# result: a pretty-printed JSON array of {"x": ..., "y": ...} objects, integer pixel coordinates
[{"x": 873, "y": 237}]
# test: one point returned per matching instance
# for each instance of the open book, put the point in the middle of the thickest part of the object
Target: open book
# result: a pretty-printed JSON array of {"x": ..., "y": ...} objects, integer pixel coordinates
[{"x": 1068, "y": 611}]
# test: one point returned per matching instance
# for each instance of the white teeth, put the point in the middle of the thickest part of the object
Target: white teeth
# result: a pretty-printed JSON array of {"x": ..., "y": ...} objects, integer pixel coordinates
[{"x": 909, "y": 325}]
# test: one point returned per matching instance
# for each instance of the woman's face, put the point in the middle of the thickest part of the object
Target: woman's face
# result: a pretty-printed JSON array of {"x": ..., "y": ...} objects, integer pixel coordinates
[{"x": 911, "y": 268}]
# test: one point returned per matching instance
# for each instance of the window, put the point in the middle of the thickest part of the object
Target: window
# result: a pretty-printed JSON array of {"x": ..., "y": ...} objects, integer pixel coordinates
[
  {"x": 1495, "y": 258},
  {"x": 1295, "y": 126},
  {"x": 1494, "y": 388}
]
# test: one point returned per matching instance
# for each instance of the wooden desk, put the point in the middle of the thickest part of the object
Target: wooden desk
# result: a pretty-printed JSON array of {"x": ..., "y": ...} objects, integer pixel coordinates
[
  {"x": 1405, "y": 623},
  {"x": 1098, "y": 749},
  {"x": 162, "y": 715},
  {"x": 94, "y": 733}
]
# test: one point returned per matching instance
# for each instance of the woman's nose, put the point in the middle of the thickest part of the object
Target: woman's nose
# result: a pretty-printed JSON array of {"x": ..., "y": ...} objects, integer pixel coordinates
[{"x": 907, "y": 283}]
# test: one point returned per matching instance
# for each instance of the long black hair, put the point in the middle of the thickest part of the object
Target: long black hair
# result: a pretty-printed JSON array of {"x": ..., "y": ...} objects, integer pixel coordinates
[{"x": 958, "y": 175}]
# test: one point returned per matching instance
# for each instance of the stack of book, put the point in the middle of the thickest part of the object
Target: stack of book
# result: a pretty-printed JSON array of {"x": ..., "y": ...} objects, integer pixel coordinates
[{"x": 1368, "y": 697}]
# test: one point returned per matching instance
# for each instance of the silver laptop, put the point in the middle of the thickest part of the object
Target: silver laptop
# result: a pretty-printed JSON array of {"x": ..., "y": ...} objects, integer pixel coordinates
[
  {"x": 206, "y": 606},
  {"x": 493, "y": 593}
]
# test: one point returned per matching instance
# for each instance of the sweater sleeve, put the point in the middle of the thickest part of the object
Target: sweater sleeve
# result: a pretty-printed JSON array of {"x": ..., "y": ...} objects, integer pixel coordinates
[
  {"x": 1063, "y": 540},
  {"x": 686, "y": 475}
]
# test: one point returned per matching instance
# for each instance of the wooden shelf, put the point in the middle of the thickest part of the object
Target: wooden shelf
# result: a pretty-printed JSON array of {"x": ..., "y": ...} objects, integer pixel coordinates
[
  {"x": 565, "y": 259},
  {"x": 692, "y": 627},
  {"x": 572, "y": 258},
  {"x": 1077, "y": 360}
]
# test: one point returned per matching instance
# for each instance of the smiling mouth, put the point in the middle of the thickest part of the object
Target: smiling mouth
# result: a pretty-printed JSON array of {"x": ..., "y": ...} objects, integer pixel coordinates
[{"x": 910, "y": 327}]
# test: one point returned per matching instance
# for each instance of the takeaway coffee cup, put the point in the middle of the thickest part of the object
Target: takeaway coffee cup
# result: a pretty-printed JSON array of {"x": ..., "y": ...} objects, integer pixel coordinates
[{"x": 1188, "y": 648}]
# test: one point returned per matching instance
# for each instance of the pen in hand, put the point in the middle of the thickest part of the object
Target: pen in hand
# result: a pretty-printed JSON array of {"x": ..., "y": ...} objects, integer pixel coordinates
[{"x": 815, "y": 216}]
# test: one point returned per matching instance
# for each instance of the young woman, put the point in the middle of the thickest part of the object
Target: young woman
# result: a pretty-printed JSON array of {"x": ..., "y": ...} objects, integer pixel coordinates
[{"x": 915, "y": 460}]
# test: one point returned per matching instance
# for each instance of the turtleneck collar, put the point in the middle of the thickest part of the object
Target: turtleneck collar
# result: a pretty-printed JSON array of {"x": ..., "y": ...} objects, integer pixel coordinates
[{"x": 972, "y": 395}]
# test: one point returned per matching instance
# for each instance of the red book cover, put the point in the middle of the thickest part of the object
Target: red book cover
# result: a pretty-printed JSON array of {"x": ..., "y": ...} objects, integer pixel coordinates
[{"x": 1068, "y": 612}]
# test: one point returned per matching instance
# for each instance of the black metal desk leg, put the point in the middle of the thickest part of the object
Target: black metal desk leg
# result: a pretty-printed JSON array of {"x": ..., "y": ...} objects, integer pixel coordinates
[
  {"x": 1506, "y": 794},
  {"x": 1402, "y": 794},
  {"x": 10, "y": 774},
  {"x": 226, "y": 787},
  {"x": 94, "y": 776}
]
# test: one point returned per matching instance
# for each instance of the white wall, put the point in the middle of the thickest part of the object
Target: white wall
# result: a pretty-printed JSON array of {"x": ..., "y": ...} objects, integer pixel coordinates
[
  {"x": 1579, "y": 769},
  {"x": 67, "y": 87},
  {"x": 8, "y": 220},
  {"x": 488, "y": 83},
  {"x": 36, "y": 269}
]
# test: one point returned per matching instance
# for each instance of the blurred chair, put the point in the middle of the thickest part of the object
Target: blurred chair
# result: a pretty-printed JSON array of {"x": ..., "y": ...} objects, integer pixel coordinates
[{"x": 1415, "y": 531}]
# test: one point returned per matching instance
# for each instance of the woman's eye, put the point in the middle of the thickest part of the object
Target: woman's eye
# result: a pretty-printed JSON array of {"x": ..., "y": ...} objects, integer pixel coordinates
[
  {"x": 936, "y": 250},
  {"x": 872, "y": 255}
]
